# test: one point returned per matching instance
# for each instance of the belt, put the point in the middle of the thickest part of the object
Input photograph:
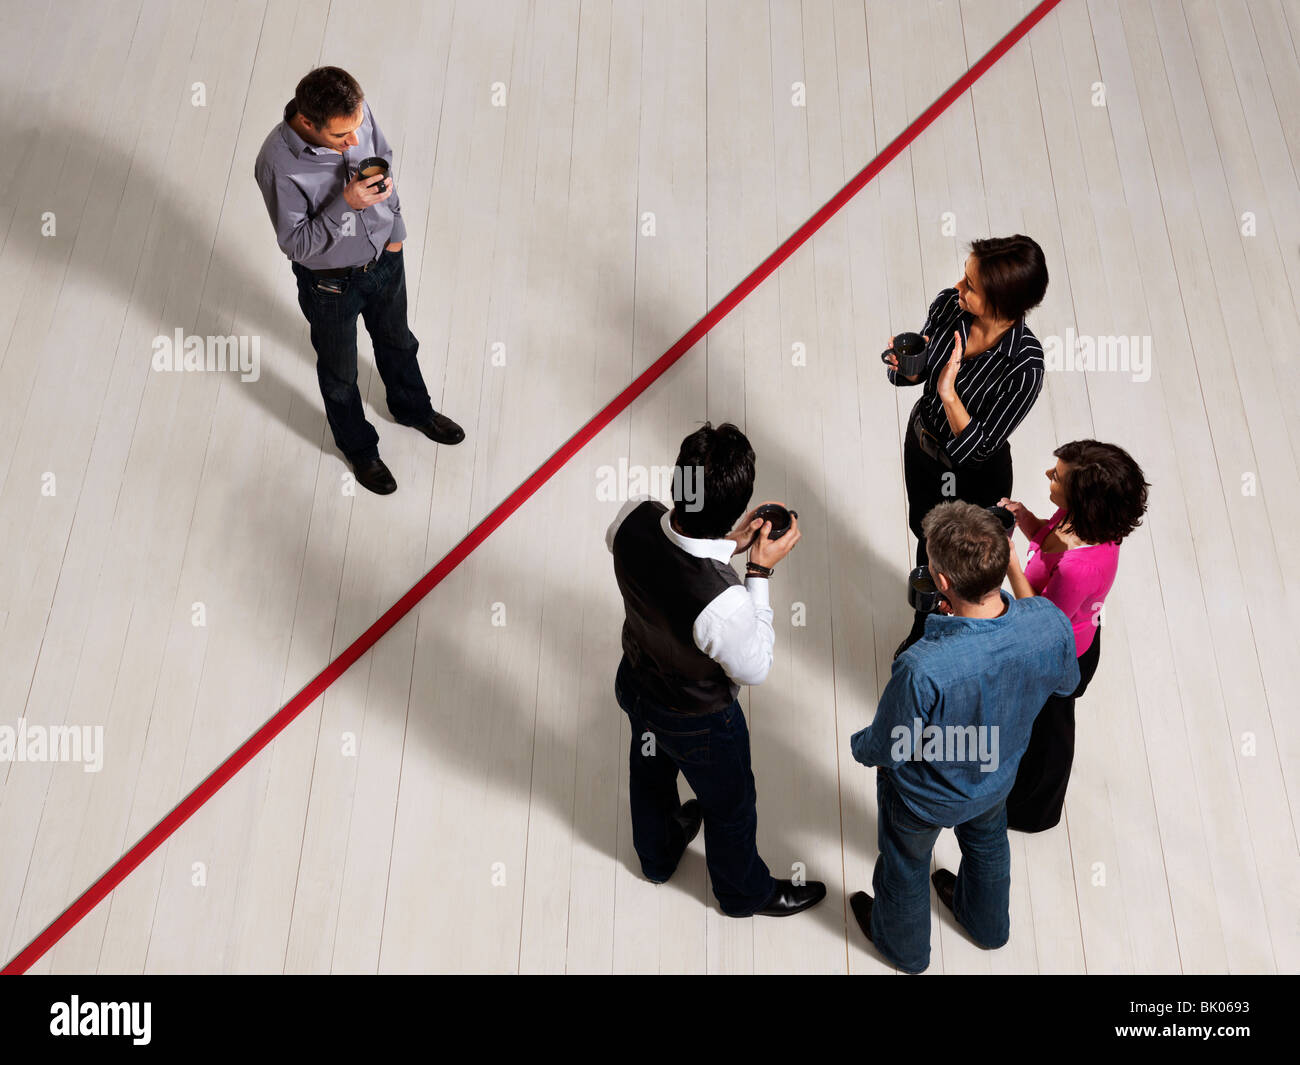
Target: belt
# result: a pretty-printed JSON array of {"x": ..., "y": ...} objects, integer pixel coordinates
[
  {"x": 930, "y": 443},
  {"x": 343, "y": 271}
]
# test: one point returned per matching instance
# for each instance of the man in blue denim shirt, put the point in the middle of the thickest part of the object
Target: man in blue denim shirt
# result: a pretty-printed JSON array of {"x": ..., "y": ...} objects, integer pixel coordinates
[{"x": 948, "y": 735}]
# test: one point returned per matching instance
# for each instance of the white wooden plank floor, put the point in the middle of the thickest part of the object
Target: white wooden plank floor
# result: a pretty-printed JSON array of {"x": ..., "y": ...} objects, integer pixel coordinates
[{"x": 458, "y": 799}]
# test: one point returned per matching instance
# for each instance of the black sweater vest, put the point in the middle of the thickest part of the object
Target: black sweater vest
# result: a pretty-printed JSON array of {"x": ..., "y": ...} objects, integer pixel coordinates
[{"x": 664, "y": 590}]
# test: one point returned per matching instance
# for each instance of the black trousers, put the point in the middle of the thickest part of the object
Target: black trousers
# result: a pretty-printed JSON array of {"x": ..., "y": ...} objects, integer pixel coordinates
[
  {"x": 712, "y": 752},
  {"x": 1038, "y": 795},
  {"x": 930, "y": 483},
  {"x": 379, "y": 297}
]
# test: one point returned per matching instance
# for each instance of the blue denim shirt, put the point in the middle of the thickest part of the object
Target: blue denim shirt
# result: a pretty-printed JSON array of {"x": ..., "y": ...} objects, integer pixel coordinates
[{"x": 956, "y": 715}]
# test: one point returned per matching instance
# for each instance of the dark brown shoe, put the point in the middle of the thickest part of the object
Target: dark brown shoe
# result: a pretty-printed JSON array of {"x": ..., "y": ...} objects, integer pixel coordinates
[
  {"x": 442, "y": 430},
  {"x": 374, "y": 475}
]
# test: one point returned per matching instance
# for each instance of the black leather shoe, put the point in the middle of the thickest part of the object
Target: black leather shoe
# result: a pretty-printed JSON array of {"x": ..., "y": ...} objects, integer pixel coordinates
[
  {"x": 690, "y": 817},
  {"x": 373, "y": 474},
  {"x": 442, "y": 430},
  {"x": 860, "y": 903},
  {"x": 945, "y": 883},
  {"x": 791, "y": 898}
]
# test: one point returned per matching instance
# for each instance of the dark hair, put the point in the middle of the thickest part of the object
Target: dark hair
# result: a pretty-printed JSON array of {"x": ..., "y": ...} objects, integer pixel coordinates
[
  {"x": 723, "y": 461},
  {"x": 969, "y": 546},
  {"x": 1105, "y": 493},
  {"x": 326, "y": 93},
  {"x": 1013, "y": 274}
]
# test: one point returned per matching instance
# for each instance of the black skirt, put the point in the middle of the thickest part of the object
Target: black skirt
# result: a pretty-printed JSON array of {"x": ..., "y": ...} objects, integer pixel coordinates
[{"x": 1038, "y": 796}]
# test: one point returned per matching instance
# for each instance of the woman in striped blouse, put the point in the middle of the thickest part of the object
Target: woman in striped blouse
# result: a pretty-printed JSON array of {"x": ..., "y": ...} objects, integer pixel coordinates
[{"x": 983, "y": 372}]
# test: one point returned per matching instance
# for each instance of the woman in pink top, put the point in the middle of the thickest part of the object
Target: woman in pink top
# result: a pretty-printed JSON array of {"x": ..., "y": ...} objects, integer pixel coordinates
[{"x": 1100, "y": 497}]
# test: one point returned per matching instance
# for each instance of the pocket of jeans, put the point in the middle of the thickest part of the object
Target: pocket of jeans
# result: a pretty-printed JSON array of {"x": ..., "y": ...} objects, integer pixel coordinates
[
  {"x": 684, "y": 746},
  {"x": 900, "y": 814},
  {"x": 329, "y": 288}
]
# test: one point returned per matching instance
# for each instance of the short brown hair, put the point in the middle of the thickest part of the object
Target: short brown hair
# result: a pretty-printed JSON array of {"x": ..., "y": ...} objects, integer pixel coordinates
[
  {"x": 1105, "y": 491},
  {"x": 325, "y": 93},
  {"x": 1013, "y": 274},
  {"x": 968, "y": 545}
]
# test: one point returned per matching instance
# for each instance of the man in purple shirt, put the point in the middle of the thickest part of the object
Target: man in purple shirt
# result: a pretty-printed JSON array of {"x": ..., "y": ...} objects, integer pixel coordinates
[{"x": 344, "y": 235}]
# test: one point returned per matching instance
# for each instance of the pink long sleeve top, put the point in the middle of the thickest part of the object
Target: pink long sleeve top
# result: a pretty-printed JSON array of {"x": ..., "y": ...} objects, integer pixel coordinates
[{"x": 1076, "y": 580}]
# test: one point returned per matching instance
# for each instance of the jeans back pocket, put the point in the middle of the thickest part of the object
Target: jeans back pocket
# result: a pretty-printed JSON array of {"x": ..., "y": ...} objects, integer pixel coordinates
[{"x": 684, "y": 744}]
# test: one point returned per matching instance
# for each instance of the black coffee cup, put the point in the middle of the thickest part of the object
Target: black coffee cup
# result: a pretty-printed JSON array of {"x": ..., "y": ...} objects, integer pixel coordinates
[
  {"x": 778, "y": 516},
  {"x": 909, "y": 349},
  {"x": 1003, "y": 515},
  {"x": 371, "y": 168},
  {"x": 922, "y": 593}
]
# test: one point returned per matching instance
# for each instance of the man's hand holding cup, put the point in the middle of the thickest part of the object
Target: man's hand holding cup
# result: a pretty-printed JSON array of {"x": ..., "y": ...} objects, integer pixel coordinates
[
  {"x": 359, "y": 193},
  {"x": 754, "y": 532}
]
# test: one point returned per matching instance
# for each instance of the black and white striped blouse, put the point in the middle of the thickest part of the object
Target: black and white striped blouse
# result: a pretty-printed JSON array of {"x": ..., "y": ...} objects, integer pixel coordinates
[{"x": 997, "y": 388}]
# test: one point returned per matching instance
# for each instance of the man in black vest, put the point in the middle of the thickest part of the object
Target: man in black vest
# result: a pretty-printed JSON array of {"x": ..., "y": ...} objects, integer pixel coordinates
[{"x": 692, "y": 635}]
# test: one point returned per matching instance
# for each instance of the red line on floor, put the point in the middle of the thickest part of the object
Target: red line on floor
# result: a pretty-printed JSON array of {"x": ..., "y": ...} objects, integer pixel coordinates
[{"x": 295, "y": 706}]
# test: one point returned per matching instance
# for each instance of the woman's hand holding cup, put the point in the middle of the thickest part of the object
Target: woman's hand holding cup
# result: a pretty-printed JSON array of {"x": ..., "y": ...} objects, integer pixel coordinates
[
  {"x": 890, "y": 359},
  {"x": 1018, "y": 510}
]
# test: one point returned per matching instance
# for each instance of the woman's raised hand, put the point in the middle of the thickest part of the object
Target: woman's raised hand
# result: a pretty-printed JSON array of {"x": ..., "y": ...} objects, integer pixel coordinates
[{"x": 946, "y": 386}]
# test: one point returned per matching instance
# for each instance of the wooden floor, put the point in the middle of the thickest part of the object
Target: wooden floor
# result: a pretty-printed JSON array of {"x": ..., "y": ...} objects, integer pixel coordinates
[{"x": 482, "y": 822}]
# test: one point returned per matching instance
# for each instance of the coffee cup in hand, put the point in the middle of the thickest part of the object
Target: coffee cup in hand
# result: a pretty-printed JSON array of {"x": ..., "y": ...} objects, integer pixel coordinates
[
  {"x": 374, "y": 167},
  {"x": 1005, "y": 516},
  {"x": 922, "y": 593},
  {"x": 771, "y": 543},
  {"x": 778, "y": 516},
  {"x": 909, "y": 353}
]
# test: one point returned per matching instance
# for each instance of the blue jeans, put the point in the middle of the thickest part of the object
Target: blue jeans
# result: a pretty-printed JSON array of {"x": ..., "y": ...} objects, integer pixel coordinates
[
  {"x": 712, "y": 752},
  {"x": 379, "y": 296},
  {"x": 900, "y": 916}
]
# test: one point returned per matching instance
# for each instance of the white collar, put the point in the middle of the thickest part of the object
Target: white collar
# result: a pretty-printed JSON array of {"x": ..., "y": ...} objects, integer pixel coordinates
[{"x": 722, "y": 549}]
